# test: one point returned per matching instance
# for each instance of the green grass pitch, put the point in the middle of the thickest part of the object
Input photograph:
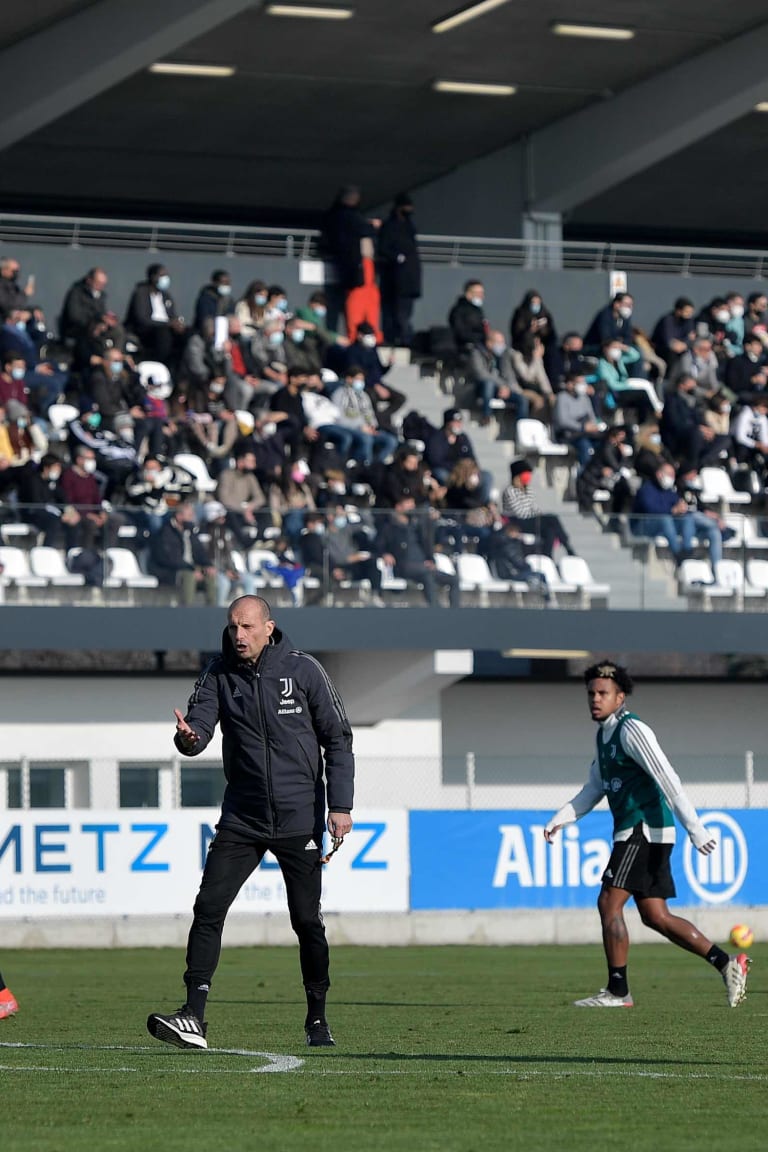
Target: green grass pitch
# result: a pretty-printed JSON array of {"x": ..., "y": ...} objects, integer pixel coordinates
[{"x": 452, "y": 1049}]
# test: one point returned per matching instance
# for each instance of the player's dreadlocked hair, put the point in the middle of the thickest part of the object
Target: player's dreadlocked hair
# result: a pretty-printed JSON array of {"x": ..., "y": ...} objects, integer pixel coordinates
[{"x": 607, "y": 670}]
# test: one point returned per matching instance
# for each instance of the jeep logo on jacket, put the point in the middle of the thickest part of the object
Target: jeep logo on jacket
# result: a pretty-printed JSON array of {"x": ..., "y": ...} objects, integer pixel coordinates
[{"x": 286, "y": 739}]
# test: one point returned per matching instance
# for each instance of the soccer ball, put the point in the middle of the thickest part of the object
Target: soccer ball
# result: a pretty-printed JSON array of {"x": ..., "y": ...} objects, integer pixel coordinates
[{"x": 742, "y": 936}]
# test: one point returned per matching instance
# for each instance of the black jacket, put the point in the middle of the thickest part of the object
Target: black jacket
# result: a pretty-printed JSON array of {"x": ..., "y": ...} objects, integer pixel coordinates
[
  {"x": 343, "y": 228},
  {"x": 139, "y": 314},
  {"x": 467, "y": 323},
  {"x": 166, "y": 553},
  {"x": 284, "y": 728},
  {"x": 399, "y": 262}
]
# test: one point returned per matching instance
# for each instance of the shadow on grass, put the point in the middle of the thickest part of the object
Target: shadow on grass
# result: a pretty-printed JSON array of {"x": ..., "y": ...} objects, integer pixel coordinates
[{"x": 517, "y": 1058}]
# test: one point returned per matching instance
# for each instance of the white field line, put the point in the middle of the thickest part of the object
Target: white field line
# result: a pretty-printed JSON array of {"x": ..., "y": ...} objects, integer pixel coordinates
[
  {"x": 275, "y": 1061},
  {"x": 285, "y": 1063}
]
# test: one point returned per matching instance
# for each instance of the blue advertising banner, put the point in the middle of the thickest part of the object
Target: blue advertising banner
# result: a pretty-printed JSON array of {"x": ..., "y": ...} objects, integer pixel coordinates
[{"x": 474, "y": 860}]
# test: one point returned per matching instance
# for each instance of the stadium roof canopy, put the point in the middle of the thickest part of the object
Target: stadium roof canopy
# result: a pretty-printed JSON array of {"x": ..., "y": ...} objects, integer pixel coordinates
[{"x": 654, "y": 131}]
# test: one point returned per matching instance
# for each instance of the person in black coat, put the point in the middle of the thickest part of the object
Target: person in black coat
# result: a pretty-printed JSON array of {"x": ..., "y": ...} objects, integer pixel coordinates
[
  {"x": 747, "y": 373},
  {"x": 532, "y": 317},
  {"x": 38, "y": 486},
  {"x": 404, "y": 545},
  {"x": 467, "y": 319},
  {"x": 399, "y": 267},
  {"x": 683, "y": 429},
  {"x": 152, "y": 316},
  {"x": 86, "y": 324},
  {"x": 287, "y": 751},
  {"x": 178, "y": 557}
]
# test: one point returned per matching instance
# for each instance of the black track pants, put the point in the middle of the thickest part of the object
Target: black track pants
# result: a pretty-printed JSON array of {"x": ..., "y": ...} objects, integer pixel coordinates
[{"x": 232, "y": 857}]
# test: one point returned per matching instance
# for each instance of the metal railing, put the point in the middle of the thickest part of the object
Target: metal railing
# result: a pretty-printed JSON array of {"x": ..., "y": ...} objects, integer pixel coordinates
[{"x": 452, "y": 251}]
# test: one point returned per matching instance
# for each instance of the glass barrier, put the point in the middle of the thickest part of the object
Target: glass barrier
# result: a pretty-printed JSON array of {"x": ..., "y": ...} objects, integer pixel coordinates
[{"x": 350, "y": 554}]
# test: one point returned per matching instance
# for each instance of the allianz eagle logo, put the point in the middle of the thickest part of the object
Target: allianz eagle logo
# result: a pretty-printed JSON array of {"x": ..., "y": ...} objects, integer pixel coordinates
[{"x": 718, "y": 877}]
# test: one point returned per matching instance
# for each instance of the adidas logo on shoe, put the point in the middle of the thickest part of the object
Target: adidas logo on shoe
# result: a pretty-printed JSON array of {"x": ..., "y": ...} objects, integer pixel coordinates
[{"x": 182, "y": 1029}]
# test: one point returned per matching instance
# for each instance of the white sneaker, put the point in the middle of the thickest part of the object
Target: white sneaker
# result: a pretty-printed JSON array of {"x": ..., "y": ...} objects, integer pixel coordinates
[
  {"x": 735, "y": 978},
  {"x": 605, "y": 999}
]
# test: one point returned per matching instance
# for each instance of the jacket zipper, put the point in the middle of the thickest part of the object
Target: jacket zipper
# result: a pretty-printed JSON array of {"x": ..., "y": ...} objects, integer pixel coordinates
[{"x": 267, "y": 753}]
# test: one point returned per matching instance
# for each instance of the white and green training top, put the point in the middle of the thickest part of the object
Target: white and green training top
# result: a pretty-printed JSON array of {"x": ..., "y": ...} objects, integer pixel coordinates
[{"x": 641, "y": 786}]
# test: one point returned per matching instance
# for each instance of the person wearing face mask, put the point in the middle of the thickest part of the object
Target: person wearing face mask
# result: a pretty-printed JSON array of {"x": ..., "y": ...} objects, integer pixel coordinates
[
  {"x": 613, "y": 323},
  {"x": 314, "y": 315},
  {"x": 608, "y": 468},
  {"x": 115, "y": 389},
  {"x": 251, "y": 309},
  {"x": 179, "y": 558},
  {"x": 734, "y": 329},
  {"x": 153, "y": 318},
  {"x": 446, "y": 445},
  {"x": 40, "y": 489},
  {"x": 747, "y": 373},
  {"x": 659, "y": 510},
  {"x": 92, "y": 530},
  {"x": 12, "y": 294},
  {"x": 357, "y": 413},
  {"x": 13, "y": 381},
  {"x": 489, "y": 368},
  {"x": 684, "y": 431},
  {"x": 531, "y": 316},
  {"x": 116, "y": 456},
  {"x": 617, "y": 387},
  {"x": 574, "y": 421},
  {"x": 399, "y": 266},
  {"x": 214, "y": 303},
  {"x": 350, "y": 556},
  {"x": 518, "y": 503},
  {"x": 363, "y": 353},
  {"x": 243, "y": 497},
  {"x": 86, "y": 324},
  {"x": 467, "y": 318},
  {"x": 301, "y": 349},
  {"x": 750, "y": 437},
  {"x": 529, "y": 368},
  {"x": 756, "y": 317},
  {"x": 23, "y": 337}
]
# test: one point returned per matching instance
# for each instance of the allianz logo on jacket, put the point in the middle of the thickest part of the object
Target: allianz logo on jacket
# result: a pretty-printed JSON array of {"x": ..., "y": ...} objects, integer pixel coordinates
[{"x": 287, "y": 698}]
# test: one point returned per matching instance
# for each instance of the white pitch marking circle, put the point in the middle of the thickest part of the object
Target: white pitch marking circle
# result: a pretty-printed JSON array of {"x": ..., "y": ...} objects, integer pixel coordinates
[{"x": 276, "y": 1062}]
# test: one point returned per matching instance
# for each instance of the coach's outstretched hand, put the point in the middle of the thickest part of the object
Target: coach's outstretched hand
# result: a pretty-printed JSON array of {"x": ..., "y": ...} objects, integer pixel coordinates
[{"x": 187, "y": 735}]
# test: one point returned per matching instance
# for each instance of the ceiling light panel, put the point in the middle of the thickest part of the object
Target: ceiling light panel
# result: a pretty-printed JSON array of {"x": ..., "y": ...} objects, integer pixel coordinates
[
  {"x": 593, "y": 31},
  {"x": 468, "y": 89},
  {"x": 164, "y": 68},
  {"x": 309, "y": 12},
  {"x": 464, "y": 15}
]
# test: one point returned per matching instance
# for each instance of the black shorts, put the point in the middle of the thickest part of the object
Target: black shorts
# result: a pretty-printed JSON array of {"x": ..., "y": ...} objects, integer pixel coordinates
[{"x": 641, "y": 868}]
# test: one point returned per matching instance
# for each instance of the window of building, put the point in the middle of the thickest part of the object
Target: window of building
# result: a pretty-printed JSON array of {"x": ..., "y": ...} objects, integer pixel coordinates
[
  {"x": 139, "y": 786},
  {"x": 47, "y": 786},
  {"x": 202, "y": 785}
]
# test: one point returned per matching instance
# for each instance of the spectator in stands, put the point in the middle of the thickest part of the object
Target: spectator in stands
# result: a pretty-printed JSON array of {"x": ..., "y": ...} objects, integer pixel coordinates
[
  {"x": 9, "y": 474},
  {"x": 569, "y": 358},
  {"x": 350, "y": 554},
  {"x": 447, "y": 445},
  {"x": 153, "y": 317},
  {"x": 362, "y": 352},
  {"x": 178, "y": 557},
  {"x": 13, "y": 385},
  {"x": 674, "y": 333},
  {"x": 314, "y": 314},
  {"x": 41, "y": 497},
  {"x": 684, "y": 431},
  {"x": 659, "y": 510},
  {"x": 467, "y": 319},
  {"x": 286, "y": 405},
  {"x": 399, "y": 266},
  {"x": 489, "y": 368},
  {"x": 533, "y": 318},
  {"x": 292, "y": 497},
  {"x": 81, "y": 491},
  {"x": 243, "y": 497},
  {"x": 218, "y": 541},
  {"x": 746, "y": 373},
  {"x": 755, "y": 316},
  {"x": 750, "y": 437},
  {"x": 464, "y": 496},
  {"x": 268, "y": 355},
  {"x": 518, "y": 504},
  {"x": 301, "y": 352},
  {"x": 712, "y": 324},
  {"x": 21, "y": 337},
  {"x": 574, "y": 421},
  {"x": 528, "y": 364},
  {"x": 152, "y": 491},
  {"x": 735, "y": 327},
  {"x": 87, "y": 326},
  {"x": 347, "y": 242},
  {"x": 717, "y": 416},
  {"x": 12, "y": 295},
  {"x": 23, "y": 440},
  {"x": 407, "y": 475},
  {"x": 116, "y": 456},
  {"x": 708, "y": 524},
  {"x": 615, "y": 385},
  {"x": 213, "y": 307},
  {"x": 608, "y": 469},
  {"x": 251, "y": 308},
  {"x": 702, "y": 364},
  {"x": 612, "y": 325},
  {"x": 115, "y": 389},
  {"x": 506, "y": 557},
  {"x": 650, "y": 451},
  {"x": 357, "y": 413},
  {"x": 404, "y": 545},
  {"x": 323, "y": 417},
  {"x": 653, "y": 367}
]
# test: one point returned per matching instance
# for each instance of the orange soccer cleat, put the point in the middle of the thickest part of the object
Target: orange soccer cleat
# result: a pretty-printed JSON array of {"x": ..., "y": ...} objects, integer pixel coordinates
[{"x": 8, "y": 1004}]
